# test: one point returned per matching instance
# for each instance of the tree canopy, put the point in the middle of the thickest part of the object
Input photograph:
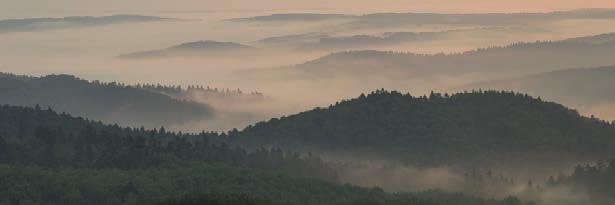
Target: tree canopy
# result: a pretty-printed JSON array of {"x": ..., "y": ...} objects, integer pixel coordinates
[{"x": 478, "y": 126}]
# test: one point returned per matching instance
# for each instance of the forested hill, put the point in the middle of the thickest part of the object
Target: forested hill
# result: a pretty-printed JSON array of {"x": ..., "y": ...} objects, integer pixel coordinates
[
  {"x": 51, "y": 158},
  {"x": 464, "y": 127},
  {"x": 109, "y": 102},
  {"x": 35, "y": 136},
  {"x": 596, "y": 180}
]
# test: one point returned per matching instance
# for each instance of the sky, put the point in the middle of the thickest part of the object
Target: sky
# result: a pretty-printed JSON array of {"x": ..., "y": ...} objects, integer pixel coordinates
[{"x": 40, "y": 8}]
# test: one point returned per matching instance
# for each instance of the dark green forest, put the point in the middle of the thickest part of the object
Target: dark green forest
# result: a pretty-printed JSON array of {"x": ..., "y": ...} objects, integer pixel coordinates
[
  {"x": 53, "y": 158},
  {"x": 50, "y": 157},
  {"x": 218, "y": 199},
  {"x": 597, "y": 180},
  {"x": 45, "y": 138},
  {"x": 36, "y": 185},
  {"x": 469, "y": 127},
  {"x": 374, "y": 197}
]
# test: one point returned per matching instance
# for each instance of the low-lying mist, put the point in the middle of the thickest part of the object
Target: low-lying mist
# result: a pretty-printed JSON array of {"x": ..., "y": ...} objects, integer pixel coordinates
[
  {"x": 90, "y": 53},
  {"x": 487, "y": 182}
]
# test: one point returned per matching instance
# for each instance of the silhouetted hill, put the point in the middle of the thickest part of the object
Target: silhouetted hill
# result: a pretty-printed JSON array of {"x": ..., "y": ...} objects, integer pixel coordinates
[
  {"x": 484, "y": 19},
  {"x": 293, "y": 17},
  {"x": 36, "y": 24},
  {"x": 514, "y": 59},
  {"x": 193, "y": 49},
  {"x": 477, "y": 127},
  {"x": 109, "y": 102},
  {"x": 375, "y": 20},
  {"x": 597, "y": 39},
  {"x": 293, "y": 39},
  {"x": 581, "y": 87},
  {"x": 316, "y": 41}
]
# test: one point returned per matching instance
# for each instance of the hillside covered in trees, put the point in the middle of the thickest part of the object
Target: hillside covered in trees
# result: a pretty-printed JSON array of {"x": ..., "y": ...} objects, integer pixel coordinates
[
  {"x": 596, "y": 181},
  {"x": 51, "y": 158},
  {"x": 45, "y": 138},
  {"x": 109, "y": 102},
  {"x": 479, "y": 127}
]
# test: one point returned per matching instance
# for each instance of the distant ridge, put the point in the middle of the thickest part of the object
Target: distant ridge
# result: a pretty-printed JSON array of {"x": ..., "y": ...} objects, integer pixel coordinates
[
  {"x": 192, "y": 49},
  {"x": 579, "y": 87},
  {"x": 397, "y": 19},
  {"x": 108, "y": 102},
  {"x": 294, "y": 17},
  {"x": 517, "y": 58},
  {"x": 38, "y": 24}
]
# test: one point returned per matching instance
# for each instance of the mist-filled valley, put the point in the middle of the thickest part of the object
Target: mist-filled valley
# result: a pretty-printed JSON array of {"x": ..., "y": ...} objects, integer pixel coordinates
[{"x": 307, "y": 106}]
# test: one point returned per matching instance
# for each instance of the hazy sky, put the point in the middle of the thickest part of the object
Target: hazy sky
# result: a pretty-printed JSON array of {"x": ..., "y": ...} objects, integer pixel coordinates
[{"x": 22, "y": 8}]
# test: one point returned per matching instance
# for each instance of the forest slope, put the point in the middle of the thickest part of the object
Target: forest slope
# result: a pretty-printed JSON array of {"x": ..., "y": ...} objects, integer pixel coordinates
[
  {"x": 51, "y": 158},
  {"x": 476, "y": 127},
  {"x": 108, "y": 102}
]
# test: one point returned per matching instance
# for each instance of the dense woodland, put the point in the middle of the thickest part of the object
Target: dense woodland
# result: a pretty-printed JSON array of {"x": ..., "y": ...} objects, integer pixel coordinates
[
  {"x": 36, "y": 185},
  {"x": 48, "y": 157},
  {"x": 218, "y": 199},
  {"x": 372, "y": 197},
  {"x": 476, "y": 127},
  {"x": 45, "y": 138},
  {"x": 596, "y": 180},
  {"x": 51, "y": 158}
]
